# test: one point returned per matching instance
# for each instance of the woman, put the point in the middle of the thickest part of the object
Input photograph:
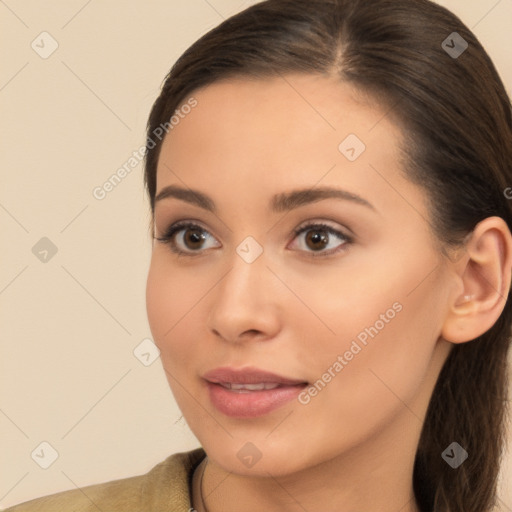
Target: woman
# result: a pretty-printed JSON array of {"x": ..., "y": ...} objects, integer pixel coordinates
[{"x": 331, "y": 264}]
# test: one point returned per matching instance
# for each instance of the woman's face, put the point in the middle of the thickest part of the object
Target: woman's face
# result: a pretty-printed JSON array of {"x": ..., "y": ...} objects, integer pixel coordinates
[{"x": 353, "y": 307}]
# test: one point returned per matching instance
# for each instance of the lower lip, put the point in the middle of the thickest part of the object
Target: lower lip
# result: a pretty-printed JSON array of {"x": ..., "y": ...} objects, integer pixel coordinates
[{"x": 251, "y": 404}]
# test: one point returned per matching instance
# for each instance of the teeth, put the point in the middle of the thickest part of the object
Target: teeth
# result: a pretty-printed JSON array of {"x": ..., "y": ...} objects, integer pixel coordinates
[{"x": 249, "y": 387}]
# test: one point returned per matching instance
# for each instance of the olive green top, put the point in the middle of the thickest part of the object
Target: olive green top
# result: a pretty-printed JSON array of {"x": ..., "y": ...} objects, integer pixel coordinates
[{"x": 165, "y": 488}]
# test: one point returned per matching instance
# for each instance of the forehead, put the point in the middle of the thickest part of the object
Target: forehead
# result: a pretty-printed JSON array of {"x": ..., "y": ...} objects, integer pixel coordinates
[
  {"x": 255, "y": 136},
  {"x": 281, "y": 110}
]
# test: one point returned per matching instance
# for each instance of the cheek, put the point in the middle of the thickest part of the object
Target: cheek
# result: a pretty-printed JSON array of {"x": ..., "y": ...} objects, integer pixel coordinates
[
  {"x": 172, "y": 302},
  {"x": 384, "y": 366},
  {"x": 168, "y": 296},
  {"x": 383, "y": 331},
  {"x": 158, "y": 301}
]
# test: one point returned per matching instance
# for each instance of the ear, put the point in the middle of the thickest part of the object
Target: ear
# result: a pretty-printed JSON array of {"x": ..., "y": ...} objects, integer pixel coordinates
[{"x": 484, "y": 274}]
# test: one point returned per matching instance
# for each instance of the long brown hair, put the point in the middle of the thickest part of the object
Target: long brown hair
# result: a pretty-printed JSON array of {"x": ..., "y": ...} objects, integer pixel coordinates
[{"x": 456, "y": 118}]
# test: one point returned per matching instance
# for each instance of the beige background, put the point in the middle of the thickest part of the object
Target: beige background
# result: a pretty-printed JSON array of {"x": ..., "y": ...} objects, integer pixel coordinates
[{"x": 68, "y": 374}]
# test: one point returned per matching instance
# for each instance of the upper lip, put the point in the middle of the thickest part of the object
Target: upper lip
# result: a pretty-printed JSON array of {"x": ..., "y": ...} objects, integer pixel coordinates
[{"x": 248, "y": 375}]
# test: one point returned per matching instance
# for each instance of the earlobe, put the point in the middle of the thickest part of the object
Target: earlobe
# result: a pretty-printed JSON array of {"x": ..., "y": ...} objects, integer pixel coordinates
[{"x": 485, "y": 273}]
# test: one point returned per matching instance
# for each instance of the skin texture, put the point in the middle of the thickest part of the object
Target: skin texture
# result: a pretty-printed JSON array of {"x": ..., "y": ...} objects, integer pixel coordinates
[{"x": 352, "y": 446}]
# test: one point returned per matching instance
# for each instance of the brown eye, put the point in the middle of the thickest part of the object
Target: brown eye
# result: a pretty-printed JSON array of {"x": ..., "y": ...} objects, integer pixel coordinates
[
  {"x": 189, "y": 239},
  {"x": 193, "y": 238},
  {"x": 319, "y": 237},
  {"x": 186, "y": 238}
]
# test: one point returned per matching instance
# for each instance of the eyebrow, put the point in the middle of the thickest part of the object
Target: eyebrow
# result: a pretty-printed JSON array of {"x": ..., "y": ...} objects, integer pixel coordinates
[{"x": 279, "y": 203}]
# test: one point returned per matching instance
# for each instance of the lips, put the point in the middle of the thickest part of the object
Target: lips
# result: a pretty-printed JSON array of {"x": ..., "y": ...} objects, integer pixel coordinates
[
  {"x": 249, "y": 375},
  {"x": 250, "y": 392},
  {"x": 246, "y": 388}
]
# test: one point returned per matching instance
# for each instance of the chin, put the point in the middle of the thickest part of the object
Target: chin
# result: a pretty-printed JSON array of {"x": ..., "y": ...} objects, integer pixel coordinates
[{"x": 258, "y": 457}]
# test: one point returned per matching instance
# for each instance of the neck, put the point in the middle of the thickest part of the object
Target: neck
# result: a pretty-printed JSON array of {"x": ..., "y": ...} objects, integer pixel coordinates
[{"x": 375, "y": 476}]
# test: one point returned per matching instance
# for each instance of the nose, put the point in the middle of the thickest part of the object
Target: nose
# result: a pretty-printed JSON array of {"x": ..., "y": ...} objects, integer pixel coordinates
[{"x": 246, "y": 304}]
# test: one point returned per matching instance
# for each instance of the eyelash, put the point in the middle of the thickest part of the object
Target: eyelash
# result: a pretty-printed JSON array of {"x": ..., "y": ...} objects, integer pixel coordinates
[{"x": 168, "y": 238}]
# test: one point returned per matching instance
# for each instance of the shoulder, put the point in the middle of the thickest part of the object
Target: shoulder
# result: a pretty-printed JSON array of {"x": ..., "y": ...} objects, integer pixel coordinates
[{"x": 165, "y": 487}]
